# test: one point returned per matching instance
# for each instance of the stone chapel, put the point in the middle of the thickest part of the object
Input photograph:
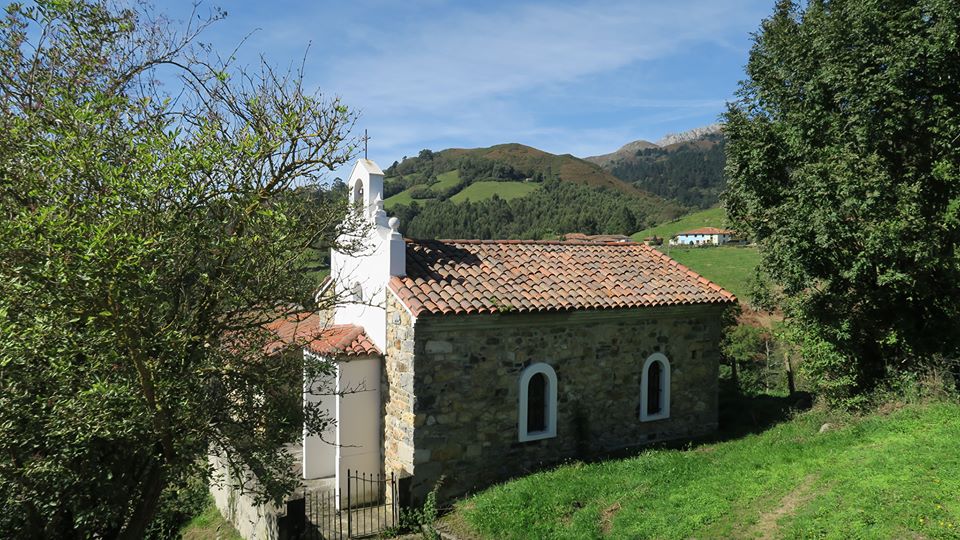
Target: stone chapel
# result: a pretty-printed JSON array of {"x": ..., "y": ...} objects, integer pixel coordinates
[{"x": 479, "y": 360}]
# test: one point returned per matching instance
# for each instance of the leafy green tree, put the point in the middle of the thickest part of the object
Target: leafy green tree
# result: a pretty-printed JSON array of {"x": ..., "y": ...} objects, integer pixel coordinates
[
  {"x": 844, "y": 164},
  {"x": 145, "y": 240}
]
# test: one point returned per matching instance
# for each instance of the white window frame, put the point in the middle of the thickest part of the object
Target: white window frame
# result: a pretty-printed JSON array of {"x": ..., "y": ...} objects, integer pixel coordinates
[
  {"x": 525, "y": 377},
  {"x": 664, "y": 388}
]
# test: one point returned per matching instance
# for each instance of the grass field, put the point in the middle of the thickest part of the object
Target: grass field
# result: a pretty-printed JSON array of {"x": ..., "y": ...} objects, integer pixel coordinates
[
  {"x": 401, "y": 198},
  {"x": 711, "y": 217},
  {"x": 893, "y": 475},
  {"x": 479, "y": 191},
  {"x": 209, "y": 525},
  {"x": 730, "y": 267},
  {"x": 446, "y": 181}
]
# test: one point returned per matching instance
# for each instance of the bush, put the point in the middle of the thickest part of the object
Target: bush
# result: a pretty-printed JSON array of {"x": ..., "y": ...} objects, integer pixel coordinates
[
  {"x": 419, "y": 519},
  {"x": 755, "y": 359},
  {"x": 421, "y": 192},
  {"x": 178, "y": 505}
]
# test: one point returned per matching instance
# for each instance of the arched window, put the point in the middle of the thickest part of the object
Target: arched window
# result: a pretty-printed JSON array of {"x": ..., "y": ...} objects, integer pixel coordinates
[
  {"x": 655, "y": 388},
  {"x": 538, "y": 403}
]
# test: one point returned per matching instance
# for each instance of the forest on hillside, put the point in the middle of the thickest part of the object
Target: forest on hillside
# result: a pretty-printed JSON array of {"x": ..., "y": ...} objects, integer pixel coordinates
[
  {"x": 691, "y": 173},
  {"x": 558, "y": 207},
  {"x": 558, "y": 204}
]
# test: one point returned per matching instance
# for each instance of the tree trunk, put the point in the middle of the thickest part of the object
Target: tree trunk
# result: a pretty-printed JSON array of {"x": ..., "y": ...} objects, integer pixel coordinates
[
  {"x": 147, "y": 505},
  {"x": 766, "y": 375},
  {"x": 791, "y": 386}
]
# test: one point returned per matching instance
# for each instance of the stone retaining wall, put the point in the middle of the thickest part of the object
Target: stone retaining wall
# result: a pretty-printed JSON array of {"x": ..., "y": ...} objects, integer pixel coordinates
[{"x": 251, "y": 521}]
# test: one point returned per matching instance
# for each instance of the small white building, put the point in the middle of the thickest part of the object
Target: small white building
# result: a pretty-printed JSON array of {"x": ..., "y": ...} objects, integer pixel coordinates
[{"x": 702, "y": 236}]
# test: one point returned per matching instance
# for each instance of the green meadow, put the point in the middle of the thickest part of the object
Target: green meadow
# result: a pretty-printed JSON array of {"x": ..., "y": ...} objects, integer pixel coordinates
[
  {"x": 731, "y": 267},
  {"x": 890, "y": 475},
  {"x": 711, "y": 217}
]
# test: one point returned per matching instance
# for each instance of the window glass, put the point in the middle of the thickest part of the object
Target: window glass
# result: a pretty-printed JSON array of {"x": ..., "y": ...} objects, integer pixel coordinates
[{"x": 537, "y": 403}]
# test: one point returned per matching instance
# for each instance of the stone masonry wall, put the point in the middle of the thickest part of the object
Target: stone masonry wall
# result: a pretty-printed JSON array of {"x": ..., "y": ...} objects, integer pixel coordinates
[
  {"x": 253, "y": 522},
  {"x": 465, "y": 415},
  {"x": 397, "y": 397}
]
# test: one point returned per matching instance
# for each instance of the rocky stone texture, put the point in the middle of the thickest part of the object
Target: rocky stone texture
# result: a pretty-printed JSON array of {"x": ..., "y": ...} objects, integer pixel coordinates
[
  {"x": 250, "y": 520},
  {"x": 398, "y": 391},
  {"x": 465, "y": 376},
  {"x": 691, "y": 135}
]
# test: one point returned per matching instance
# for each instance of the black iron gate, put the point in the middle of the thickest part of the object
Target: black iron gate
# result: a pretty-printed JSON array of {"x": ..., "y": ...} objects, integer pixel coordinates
[{"x": 367, "y": 507}]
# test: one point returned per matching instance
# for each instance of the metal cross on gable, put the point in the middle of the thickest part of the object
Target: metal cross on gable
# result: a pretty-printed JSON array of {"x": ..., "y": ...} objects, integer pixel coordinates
[{"x": 366, "y": 138}]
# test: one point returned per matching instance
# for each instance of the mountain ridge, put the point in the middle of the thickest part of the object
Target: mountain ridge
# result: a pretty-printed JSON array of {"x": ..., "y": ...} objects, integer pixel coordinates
[
  {"x": 685, "y": 167},
  {"x": 689, "y": 135}
]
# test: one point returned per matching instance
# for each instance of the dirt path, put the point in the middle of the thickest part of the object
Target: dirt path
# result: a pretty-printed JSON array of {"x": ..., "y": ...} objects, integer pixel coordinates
[{"x": 766, "y": 528}]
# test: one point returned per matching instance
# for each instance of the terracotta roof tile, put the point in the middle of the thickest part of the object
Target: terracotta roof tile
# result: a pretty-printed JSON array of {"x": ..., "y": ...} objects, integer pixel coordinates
[
  {"x": 343, "y": 340},
  {"x": 304, "y": 330},
  {"x": 489, "y": 276}
]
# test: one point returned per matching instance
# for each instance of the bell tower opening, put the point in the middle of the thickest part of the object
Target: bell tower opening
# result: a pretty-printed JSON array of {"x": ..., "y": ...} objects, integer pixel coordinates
[{"x": 357, "y": 192}]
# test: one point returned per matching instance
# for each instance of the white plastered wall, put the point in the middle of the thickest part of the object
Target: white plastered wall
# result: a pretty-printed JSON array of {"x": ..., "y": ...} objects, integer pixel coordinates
[
  {"x": 319, "y": 450},
  {"x": 358, "y": 426}
]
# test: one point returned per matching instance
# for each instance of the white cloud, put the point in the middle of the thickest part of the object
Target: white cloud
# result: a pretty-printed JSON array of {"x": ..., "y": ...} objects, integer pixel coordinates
[
  {"x": 471, "y": 77},
  {"x": 462, "y": 56}
]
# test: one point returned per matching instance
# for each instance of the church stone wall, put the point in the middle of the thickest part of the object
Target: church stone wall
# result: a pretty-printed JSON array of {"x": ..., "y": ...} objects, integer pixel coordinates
[
  {"x": 464, "y": 422},
  {"x": 397, "y": 395}
]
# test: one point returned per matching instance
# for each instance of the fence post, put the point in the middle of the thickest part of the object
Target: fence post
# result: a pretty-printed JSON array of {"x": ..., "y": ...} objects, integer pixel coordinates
[
  {"x": 393, "y": 498},
  {"x": 349, "y": 513}
]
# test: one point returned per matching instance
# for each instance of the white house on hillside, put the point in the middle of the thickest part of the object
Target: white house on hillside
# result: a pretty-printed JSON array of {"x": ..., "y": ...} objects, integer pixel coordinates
[{"x": 702, "y": 236}]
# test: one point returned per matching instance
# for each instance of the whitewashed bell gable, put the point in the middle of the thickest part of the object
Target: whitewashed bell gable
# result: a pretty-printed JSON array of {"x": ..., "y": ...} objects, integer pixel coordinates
[{"x": 361, "y": 278}]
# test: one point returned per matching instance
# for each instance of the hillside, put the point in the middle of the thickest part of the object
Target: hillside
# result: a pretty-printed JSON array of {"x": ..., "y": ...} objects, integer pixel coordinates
[
  {"x": 711, "y": 217},
  {"x": 686, "y": 167},
  {"x": 514, "y": 191},
  {"x": 626, "y": 151},
  {"x": 732, "y": 267},
  {"x": 863, "y": 478},
  {"x": 516, "y": 162}
]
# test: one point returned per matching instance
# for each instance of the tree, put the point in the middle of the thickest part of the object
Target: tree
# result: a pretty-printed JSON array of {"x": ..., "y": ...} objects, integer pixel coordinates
[
  {"x": 843, "y": 163},
  {"x": 146, "y": 238}
]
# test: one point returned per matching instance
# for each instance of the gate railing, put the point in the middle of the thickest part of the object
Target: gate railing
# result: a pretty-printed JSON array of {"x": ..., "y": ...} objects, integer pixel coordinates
[{"x": 366, "y": 507}]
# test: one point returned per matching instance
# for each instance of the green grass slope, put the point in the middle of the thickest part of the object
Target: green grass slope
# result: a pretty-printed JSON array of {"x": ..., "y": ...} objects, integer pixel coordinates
[
  {"x": 209, "y": 525},
  {"x": 731, "y": 267},
  {"x": 711, "y": 217},
  {"x": 444, "y": 181},
  {"x": 884, "y": 476},
  {"x": 479, "y": 191},
  {"x": 400, "y": 198}
]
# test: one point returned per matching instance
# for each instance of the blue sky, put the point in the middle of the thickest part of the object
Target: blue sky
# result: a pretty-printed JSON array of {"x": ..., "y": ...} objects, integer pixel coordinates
[{"x": 567, "y": 77}]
